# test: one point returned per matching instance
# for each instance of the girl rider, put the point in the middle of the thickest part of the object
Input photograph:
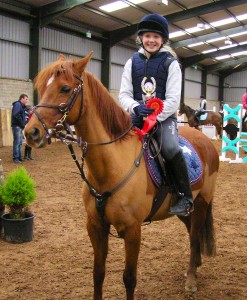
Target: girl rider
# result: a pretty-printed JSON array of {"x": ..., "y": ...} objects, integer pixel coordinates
[{"x": 163, "y": 76}]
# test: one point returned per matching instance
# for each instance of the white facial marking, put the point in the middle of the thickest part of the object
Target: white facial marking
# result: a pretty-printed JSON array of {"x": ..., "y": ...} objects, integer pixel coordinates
[{"x": 50, "y": 80}]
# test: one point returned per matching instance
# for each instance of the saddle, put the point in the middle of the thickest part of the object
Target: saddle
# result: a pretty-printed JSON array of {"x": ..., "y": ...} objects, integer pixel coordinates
[
  {"x": 200, "y": 116},
  {"x": 160, "y": 173}
]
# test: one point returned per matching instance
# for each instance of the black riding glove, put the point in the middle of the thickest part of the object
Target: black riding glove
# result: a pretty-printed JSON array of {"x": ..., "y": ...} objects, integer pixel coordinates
[
  {"x": 137, "y": 121},
  {"x": 143, "y": 110}
]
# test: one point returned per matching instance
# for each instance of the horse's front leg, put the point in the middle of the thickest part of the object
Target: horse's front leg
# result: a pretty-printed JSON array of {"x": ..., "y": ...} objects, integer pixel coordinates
[
  {"x": 132, "y": 240},
  {"x": 98, "y": 234}
]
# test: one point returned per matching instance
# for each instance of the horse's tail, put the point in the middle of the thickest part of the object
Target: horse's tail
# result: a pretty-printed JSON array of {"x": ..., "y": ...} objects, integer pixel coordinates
[{"x": 208, "y": 245}]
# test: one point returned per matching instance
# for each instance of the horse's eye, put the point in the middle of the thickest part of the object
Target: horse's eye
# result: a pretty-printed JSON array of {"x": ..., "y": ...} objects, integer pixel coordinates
[{"x": 65, "y": 89}]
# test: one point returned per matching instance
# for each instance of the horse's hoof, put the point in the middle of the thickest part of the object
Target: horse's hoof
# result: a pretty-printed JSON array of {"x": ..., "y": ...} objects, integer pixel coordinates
[
  {"x": 190, "y": 288},
  {"x": 190, "y": 284}
]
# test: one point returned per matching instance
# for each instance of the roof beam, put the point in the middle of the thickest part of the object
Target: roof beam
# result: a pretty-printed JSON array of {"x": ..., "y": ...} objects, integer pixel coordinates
[
  {"x": 205, "y": 37},
  {"x": 119, "y": 34},
  {"x": 226, "y": 73},
  {"x": 53, "y": 10},
  {"x": 188, "y": 61},
  {"x": 227, "y": 64}
]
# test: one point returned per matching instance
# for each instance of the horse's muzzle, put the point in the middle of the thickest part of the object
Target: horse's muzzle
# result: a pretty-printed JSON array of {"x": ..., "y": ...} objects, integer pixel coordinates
[{"x": 35, "y": 137}]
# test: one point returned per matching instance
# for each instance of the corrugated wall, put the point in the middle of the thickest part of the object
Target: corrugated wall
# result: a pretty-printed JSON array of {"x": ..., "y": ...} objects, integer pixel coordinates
[
  {"x": 192, "y": 84},
  {"x": 235, "y": 87},
  {"x": 212, "y": 87},
  {"x": 119, "y": 56},
  {"x": 193, "y": 81},
  {"x": 14, "y": 48},
  {"x": 56, "y": 42}
]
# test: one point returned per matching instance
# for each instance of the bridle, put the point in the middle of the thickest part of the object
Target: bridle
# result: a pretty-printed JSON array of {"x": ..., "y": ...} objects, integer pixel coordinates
[
  {"x": 63, "y": 108},
  {"x": 61, "y": 125}
]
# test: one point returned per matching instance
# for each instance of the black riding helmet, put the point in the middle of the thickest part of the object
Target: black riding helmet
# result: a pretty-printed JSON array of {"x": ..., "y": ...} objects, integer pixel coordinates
[{"x": 154, "y": 23}]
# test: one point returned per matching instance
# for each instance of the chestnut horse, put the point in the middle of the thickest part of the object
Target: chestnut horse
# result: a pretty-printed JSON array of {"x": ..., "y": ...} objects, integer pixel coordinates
[
  {"x": 213, "y": 118},
  {"x": 114, "y": 178}
]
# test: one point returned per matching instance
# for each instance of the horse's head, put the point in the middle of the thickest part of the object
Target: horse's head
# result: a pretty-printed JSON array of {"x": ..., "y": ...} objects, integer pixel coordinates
[
  {"x": 60, "y": 88},
  {"x": 181, "y": 109}
]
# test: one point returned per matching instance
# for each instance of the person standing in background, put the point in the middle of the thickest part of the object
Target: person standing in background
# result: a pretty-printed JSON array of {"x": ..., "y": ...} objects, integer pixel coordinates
[
  {"x": 28, "y": 149},
  {"x": 18, "y": 122},
  {"x": 244, "y": 102}
]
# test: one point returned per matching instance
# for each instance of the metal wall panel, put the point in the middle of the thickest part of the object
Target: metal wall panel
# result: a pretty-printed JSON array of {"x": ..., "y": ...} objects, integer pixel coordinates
[
  {"x": 212, "y": 92},
  {"x": 14, "y": 60},
  {"x": 56, "y": 42},
  {"x": 213, "y": 79},
  {"x": 233, "y": 95},
  {"x": 47, "y": 57},
  {"x": 69, "y": 44},
  {"x": 193, "y": 74},
  {"x": 235, "y": 87},
  {"x": 120, "y": 54},
  {"x": 116, "y": 75},
  {"x": 15, "y": 30},
  {"x": 192, "y": 89},
  {"x": 14, "y": 48},
  {"x": 238, "y": 79}
]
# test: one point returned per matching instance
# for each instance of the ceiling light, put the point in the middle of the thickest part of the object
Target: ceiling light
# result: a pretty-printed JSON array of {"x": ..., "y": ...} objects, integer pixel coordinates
[
  {"x": 202, "y": 25},
  {"x": 165, "y": 2},
  {"x": 176, "y": 34},
  {"x": 223, "y": 56},
  {"x": 138, "y": 1},
  {"x": 228, "y": 46},
  {"x": 210, "y": 50},
  {"x": 195, "y": 44},
  {"x": 223, "y": 22},
  {"x": 216, "y": 39},
  {"x": 113, "y": 6},
  {"x": 228, "y": 41}
]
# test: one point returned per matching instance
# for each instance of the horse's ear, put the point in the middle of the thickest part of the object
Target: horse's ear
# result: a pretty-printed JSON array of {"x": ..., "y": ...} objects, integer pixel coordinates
[
  {"x": 81, "y": 64},
  {"x": 61, "y": 57}
]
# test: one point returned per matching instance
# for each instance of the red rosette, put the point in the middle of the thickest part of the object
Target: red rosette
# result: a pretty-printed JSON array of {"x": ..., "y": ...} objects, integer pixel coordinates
[{"x": 157, "y": 104}]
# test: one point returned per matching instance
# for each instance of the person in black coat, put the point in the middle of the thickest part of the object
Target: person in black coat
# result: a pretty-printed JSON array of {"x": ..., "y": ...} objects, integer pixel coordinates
[{"x": 18, "y": 122}]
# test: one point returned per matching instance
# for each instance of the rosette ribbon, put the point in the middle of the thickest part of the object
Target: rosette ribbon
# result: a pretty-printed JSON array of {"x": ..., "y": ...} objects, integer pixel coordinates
[{"x": 157, "y": 104}]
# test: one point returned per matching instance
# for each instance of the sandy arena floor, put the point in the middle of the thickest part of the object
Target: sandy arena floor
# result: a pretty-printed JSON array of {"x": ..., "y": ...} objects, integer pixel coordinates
[{"x": 57, "y": 264}]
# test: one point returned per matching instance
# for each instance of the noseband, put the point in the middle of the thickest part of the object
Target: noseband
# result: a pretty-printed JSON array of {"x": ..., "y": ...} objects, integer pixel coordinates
[{"x": 63, "y": 108}]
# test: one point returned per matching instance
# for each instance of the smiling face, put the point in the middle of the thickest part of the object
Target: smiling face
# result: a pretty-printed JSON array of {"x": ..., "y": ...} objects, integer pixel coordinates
[{"x": 152, "y": 41}]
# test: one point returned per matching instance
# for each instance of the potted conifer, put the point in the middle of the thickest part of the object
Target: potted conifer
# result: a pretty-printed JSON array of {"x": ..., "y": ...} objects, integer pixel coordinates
[{"x": 17, "y": 193}]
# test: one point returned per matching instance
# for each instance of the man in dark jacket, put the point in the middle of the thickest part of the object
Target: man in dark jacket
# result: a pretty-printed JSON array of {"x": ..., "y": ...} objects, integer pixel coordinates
[{"x": 18, "y": 122}]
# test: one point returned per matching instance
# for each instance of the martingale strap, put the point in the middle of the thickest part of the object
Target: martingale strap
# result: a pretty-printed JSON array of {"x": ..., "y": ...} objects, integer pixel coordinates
[{"x": 101, "y": 199}]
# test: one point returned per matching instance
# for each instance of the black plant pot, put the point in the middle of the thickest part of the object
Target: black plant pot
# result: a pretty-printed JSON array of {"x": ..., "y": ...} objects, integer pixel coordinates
[
  {"x": 18, "y": 231},
  {"x": 1, "y": 213}
]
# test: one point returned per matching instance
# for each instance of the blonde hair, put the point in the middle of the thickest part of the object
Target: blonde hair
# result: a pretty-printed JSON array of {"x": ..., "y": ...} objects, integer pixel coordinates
[{"x": 172, "y": 51}]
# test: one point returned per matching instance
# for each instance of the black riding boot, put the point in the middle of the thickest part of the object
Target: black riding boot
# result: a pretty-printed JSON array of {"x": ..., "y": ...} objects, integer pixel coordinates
[
  {"x": 29, "y": 153},
  {"x": 26, "y": 154},
  {"x": 183, "y": 204},
  {"x": 198, "y": 114}
]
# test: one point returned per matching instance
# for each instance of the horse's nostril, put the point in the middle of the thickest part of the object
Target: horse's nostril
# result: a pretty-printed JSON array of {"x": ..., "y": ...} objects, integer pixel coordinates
[{"x": 34, "y": 133}]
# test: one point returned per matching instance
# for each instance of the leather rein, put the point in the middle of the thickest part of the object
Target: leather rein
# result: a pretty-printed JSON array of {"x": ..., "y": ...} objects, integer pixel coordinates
[{"x": 64, "y": 109}]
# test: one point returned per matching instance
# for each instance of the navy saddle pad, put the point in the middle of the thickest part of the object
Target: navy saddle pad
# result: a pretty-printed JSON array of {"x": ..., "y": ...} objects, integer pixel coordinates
[{"x": 192, "y": 159}]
